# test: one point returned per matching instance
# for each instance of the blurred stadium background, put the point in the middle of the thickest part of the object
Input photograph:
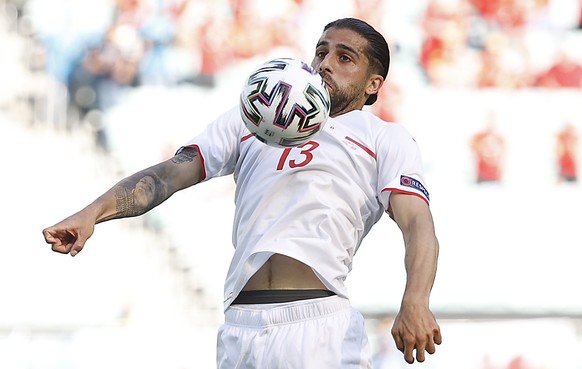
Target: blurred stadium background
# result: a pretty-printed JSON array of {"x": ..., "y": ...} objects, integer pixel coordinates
[{"x": 93, "y": 90}]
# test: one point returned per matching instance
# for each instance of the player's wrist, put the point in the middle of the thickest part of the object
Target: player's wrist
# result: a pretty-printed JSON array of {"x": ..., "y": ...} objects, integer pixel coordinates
[{"x": 413, "y": 299}]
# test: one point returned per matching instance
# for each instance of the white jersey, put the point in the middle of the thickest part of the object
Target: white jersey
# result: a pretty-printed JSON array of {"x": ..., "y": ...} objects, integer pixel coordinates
[{"x": 315, "y": 202}]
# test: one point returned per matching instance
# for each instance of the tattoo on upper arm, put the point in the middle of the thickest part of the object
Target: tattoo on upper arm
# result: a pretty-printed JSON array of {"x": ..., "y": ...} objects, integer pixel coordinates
[{"x": 186, "y": 154}]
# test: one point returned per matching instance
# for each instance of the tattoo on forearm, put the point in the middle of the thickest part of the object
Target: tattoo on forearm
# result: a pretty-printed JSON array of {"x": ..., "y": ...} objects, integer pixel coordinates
[
  {"x": 125, "y": 201},
  {"x": 138, "y": 194},
  {"x": 141, "y": 192}
]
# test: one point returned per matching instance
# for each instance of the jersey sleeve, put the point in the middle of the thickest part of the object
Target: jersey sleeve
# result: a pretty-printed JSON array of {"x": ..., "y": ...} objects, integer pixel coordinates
[
  {"x": 218, "y": 145},
  {"x": 400, "y": 166}
]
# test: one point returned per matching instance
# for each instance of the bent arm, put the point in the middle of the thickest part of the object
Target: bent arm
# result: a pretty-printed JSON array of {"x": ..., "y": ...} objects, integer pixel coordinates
[
  {"x": 130, "y": 197},
  {"x": 414, "y": 219},
  {"x": 139, "y": 193},
  {"x": 415, "y": 327}
]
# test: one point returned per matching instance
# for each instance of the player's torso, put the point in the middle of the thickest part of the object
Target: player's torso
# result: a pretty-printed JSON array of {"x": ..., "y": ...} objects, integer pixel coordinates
[{"x": 326, "y": 183}]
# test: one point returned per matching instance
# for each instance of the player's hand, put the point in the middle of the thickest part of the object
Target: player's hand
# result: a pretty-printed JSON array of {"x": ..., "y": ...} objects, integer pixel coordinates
[
  {"x": 69, "y": 235},
  {"x": 415, "y": 329}
]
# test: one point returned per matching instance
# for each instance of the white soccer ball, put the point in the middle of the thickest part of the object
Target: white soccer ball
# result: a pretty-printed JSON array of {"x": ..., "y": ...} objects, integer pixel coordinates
[{"x": 284, "y": 103}]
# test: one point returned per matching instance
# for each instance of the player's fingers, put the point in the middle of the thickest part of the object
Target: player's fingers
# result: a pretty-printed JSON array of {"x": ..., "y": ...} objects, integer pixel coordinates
[
  {"x": 48, "y": 237},
  {"x": 430, "y": 346},
  {"x": 438, "y": 339},
  {"x": 55, "y": 238},
  {"x": 60, "y": 249},
  {"x": 63, "y": 246},
  {"x": 435, "y": 339},
  {"x": 408, "y": 350},
  {"x": 420, "y": 355},
  {"x": 398, "y": 340},
  {"x": 56, "y": 242},
  {"x": 78, "y": 246},
  {"x": 422, "y": 343}
]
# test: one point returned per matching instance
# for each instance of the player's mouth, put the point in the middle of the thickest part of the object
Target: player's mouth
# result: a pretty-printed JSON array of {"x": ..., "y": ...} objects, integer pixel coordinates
[{"x": 328, "y": 83}]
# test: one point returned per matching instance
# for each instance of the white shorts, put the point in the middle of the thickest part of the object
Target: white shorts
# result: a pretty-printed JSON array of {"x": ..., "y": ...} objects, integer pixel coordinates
[{"x": 322, "y": 333}]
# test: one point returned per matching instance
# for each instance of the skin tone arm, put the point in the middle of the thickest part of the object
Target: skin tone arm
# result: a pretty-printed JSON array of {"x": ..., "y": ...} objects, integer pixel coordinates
[
  {"x": 415, "y": 327},
  {"x": 132, "y": 196}
]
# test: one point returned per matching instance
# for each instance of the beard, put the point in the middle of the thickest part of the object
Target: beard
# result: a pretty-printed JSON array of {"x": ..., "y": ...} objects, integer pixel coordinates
[{"x": 342, "y": 99}]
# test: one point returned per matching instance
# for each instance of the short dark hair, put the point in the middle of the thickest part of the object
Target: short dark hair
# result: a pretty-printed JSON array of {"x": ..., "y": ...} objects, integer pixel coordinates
[{"x": 378, "y": 52}]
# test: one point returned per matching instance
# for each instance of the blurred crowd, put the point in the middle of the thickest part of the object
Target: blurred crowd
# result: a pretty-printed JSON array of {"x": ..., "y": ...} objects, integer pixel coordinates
[
  {"x": 97, "y": 48},
  {"x": 500, "y": 41},
  {"x": 95, "y": 51},
  {"x": 489, "y": 149}
]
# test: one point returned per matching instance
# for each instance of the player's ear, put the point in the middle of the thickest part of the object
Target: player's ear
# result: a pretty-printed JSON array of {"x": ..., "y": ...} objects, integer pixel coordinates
[{"x": 375, "y": 82}]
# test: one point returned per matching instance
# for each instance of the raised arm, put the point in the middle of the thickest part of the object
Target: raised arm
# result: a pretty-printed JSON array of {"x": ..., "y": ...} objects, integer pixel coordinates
[
  {"x": 415, "y": 327},
  {"x": 132, "y": 196}
]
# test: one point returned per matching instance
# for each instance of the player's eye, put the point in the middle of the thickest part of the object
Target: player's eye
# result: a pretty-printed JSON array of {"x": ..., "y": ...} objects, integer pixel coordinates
[
  {"x": 345, "y": 58},
  {"x": 320, "y": 54}
]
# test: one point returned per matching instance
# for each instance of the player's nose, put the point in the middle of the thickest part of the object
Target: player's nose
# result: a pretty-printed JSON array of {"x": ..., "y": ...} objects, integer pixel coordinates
[{"x": 324, "y": 65}]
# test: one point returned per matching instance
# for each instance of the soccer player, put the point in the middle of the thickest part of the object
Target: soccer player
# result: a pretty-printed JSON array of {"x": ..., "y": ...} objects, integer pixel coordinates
[{"x": 301, "y": 215}]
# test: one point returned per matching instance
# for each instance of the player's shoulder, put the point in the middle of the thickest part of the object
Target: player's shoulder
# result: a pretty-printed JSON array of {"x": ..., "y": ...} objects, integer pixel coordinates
[
  {"x": 231, "y": 118},
  {"x": 224, "y": 126},
  {"x": 232, "y": 113}
]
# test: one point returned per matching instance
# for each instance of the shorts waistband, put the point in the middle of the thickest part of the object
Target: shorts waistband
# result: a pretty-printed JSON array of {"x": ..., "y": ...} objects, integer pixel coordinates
[
  {"x": 277, "y": 296},
  {"x": 261, "y": 315}
]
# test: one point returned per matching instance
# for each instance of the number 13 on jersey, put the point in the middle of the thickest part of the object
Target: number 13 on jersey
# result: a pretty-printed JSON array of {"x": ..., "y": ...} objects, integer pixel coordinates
[{"x": 306, "y": 156}]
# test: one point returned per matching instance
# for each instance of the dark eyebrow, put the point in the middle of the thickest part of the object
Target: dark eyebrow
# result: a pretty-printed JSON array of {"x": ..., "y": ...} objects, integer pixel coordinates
[
  {"x": 339, "y": 46},
  {"x": 348, "y": 48}
]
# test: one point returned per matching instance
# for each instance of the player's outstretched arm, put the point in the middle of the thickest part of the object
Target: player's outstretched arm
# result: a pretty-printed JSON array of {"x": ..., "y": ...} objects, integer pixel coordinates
[
  {"x": 415, "y": 327},
  {"x": 132, "y": 196}
]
